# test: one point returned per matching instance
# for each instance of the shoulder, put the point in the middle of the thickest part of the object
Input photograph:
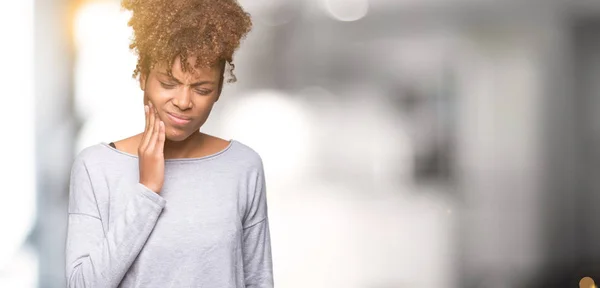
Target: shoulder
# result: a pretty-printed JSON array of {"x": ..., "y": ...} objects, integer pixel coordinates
[
  {"x": 233, "y": 151},
  {"x": 245, "y": 155},
  {"x": 90, "y": 156}
]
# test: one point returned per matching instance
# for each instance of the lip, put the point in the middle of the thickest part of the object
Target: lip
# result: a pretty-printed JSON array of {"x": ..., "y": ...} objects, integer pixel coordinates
[{"x": 180, "y": 120}]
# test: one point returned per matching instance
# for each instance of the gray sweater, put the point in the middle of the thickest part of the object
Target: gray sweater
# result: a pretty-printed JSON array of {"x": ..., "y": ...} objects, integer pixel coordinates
[{"x": 208, "y": 227}]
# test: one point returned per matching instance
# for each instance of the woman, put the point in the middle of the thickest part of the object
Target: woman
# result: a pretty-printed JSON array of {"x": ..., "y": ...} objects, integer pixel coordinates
[{"x": 172, "y": 207}]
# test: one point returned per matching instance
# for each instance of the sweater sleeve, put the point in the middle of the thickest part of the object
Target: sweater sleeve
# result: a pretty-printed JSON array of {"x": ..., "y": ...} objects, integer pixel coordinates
[
  {"x": 99, "y": 258},
  {"x": 258, "y": 264}
]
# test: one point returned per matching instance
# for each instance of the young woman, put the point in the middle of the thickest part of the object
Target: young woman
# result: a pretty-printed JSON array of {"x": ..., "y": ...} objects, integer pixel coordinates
[{"x": 171, "y": 206}]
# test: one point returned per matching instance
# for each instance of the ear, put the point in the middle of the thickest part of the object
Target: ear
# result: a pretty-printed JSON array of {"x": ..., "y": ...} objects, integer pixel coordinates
[
  {"x": 220, "y": 87},
  {"x": 221, "y": 78},
  {"x": 143, "y": 78}
]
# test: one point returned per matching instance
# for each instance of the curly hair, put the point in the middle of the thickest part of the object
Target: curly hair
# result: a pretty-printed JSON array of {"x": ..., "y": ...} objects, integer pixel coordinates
[{"x": 210, "y": 30}]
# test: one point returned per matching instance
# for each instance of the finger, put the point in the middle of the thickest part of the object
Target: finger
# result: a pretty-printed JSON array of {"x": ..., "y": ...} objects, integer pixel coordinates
[
  {"x": 148, "y": 135},
  {"x": 146, "y": 114},
  {"x": 161, "y": 138},
  {"x": 141, "y": 146},
  {"x": 155, "y": 130},
  {"x": 149, "y": 105},
  {"x": 146, "y": 118}
]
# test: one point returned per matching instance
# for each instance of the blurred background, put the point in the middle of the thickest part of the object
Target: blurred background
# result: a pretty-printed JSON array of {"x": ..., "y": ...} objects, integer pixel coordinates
[{"x": 406, "y": 143}]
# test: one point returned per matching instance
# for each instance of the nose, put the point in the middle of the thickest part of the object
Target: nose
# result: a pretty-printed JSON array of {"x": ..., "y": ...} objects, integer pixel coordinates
[{"x": 183, "y": 99}]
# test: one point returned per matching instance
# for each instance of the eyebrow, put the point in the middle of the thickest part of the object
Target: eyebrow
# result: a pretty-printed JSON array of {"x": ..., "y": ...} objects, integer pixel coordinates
[{"x": 193, "y": 84}]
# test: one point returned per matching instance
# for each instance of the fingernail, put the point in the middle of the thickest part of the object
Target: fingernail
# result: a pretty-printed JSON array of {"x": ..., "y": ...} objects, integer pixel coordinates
[{"x": 146, "y": 108}]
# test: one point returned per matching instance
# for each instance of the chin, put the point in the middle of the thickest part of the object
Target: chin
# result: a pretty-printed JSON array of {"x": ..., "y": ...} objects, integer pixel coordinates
[{"x": 177, "y": 136}]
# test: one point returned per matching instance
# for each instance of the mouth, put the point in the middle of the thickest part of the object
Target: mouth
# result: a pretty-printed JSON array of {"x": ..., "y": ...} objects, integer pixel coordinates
[{"x": 178, "y": 120}]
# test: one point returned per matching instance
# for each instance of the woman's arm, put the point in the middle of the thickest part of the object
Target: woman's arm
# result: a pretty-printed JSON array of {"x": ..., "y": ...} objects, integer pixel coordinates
[
  {"x": 258, "y": 264},
  {"x": 95, "y": 258}
]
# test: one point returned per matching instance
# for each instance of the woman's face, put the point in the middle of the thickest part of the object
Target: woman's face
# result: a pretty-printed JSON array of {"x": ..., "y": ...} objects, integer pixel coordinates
[{"x": 184, "y": 101}]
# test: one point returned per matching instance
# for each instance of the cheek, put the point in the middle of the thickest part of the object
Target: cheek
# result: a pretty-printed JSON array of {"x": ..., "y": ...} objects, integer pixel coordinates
[
  {"x": 208, "y": 105},
  {"x": 159, "y": 98},
  {"x": 153, "y": 95},
  {"x": 202, "y": 109},
  {"x": 161, "y": 95}
]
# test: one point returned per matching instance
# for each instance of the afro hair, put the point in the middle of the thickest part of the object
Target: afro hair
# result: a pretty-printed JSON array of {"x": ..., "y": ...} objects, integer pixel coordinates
[{"x": 210, "y": 30}]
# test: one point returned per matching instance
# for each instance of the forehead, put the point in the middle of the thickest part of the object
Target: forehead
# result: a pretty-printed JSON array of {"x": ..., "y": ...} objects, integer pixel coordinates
[{"x": 197, "y": 73}]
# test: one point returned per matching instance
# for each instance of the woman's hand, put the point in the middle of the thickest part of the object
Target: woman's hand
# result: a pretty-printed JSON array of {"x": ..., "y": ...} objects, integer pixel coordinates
[{"x": 150, "y": 151}]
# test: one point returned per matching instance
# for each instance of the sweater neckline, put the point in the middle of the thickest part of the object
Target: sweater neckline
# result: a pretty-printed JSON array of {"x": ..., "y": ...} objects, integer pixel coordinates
[{"x": 206, "y": 157}]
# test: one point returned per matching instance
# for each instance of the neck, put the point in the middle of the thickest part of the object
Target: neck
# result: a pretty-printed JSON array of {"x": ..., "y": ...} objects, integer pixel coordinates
[{"x": 184, "y": 148}]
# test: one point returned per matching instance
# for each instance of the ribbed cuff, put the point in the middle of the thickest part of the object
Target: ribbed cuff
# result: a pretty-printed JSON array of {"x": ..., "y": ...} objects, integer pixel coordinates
[{"x": 152, "y": 195}]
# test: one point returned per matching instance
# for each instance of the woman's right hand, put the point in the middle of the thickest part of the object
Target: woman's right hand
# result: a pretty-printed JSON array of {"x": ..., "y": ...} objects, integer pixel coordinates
[{"x": 150, "y": 151}]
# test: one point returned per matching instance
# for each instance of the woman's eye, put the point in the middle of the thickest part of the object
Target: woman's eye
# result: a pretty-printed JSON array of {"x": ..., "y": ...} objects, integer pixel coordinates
[
  {"x": 203, "y": 92},
  {"x": 167, "y": 86}
]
